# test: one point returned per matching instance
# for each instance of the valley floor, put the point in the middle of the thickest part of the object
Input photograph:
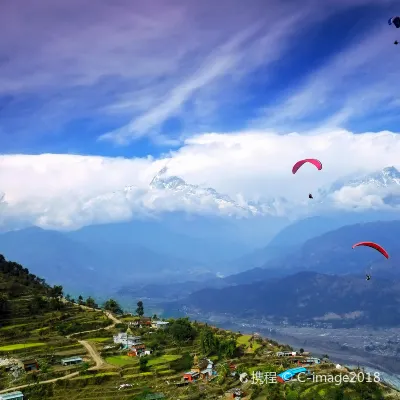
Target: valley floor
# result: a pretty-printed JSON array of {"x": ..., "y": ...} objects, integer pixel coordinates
[{"x": 376, "y": 349}]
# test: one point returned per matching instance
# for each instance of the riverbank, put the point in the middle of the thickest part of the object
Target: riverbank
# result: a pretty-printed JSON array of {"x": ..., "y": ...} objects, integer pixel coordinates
[{"x": 316, "y": 345}]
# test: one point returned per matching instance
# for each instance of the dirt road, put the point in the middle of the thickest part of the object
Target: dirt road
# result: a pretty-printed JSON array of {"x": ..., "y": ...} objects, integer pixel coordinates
[{"x": 100, "y": 363}]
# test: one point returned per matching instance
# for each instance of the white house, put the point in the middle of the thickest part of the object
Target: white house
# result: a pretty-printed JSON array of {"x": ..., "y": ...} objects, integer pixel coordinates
[
  {"x": 127, "y": 340},
  {"x": 286, "y": 354},
  {"x": 159, "y": 324}
]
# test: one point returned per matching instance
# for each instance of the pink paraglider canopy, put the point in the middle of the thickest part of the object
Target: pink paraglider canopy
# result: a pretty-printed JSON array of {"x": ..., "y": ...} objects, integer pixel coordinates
[{"x": 313, "y": 161}]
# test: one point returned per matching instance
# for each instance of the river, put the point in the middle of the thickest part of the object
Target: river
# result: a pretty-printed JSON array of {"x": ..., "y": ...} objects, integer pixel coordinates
[{"x": 389, "y": 372}]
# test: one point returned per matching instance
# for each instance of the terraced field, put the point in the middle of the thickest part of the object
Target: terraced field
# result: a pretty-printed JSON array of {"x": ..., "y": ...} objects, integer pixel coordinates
[{"x": 107, "y": 369}]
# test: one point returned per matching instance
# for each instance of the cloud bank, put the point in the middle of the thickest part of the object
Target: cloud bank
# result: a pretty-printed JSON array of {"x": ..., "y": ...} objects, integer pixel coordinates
[{"x": 68, "y": 191}]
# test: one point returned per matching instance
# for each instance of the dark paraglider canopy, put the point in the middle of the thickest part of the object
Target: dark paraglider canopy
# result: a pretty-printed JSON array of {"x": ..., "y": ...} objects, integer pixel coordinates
[
  {"x": 310, "y": 196},
  {"x": 396, "y": 42},
  {"x": 395, "y": 21}
]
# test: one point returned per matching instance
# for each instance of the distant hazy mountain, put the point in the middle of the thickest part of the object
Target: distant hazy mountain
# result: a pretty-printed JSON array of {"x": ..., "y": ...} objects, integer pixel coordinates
[
  {"x": 291, "y": 237},
  {"x": 332, "y": 252},
  {"x": 55, "y": 257},
  {"x": 305, "y": 296},
  {"x": 93, "y": 265}
]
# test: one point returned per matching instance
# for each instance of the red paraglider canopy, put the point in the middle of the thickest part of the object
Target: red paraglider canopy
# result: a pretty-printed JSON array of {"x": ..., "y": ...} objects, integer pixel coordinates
[
  {"x": 313, "y": 161},
  {"x": 374, "y": 246}
]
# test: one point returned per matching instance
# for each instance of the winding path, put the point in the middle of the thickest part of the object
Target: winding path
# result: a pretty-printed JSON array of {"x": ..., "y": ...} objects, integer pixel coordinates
[{"x": 94, "y": 354}]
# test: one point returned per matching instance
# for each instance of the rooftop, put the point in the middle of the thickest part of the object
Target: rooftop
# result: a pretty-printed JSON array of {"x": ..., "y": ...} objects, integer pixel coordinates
[
  {"x": 31, "y": 361},
  {"x": 11, "y": 395},
  {"x": 71, "y": 359},
  {"x": 191, "y": 373}
]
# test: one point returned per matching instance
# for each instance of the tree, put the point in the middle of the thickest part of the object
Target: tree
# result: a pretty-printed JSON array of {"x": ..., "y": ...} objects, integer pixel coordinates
[
  {"x": 84, "y": 366},
  {"x": 301, "y": 351},
  {"x": 80, "y": 299},
  {"x": 143, "y": 363},
  {"x": 56, "y": 292},
  {"x": 140, "y": 309},
  {"x": 4, "y": 304},
  {"x": 155, "y": 316},
  {"x": 90, "y": 302},
  {"x": 208, "y": 342},
  {"x": 68, "y": 297},
  {"x": 113, "y": 306},
  {"x": 182, "y": 330},
  {"x": 227, "y": 347}
]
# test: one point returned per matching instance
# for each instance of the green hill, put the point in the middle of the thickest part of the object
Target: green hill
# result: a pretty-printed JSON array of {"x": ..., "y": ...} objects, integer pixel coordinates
[{"x": 57, "y": 329}]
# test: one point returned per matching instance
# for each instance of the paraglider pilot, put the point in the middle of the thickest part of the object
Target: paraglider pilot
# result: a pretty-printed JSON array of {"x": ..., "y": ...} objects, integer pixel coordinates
[
  {"x": 368, "y": 277},
  {"x": 310, "y": 196}
]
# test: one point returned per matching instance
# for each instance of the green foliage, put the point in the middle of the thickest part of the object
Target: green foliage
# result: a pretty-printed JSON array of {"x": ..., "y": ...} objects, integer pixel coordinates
[
  {"x": 113, "y": 306},
  {"x": 208, "y": 341},
  {"x": 182, "y": 330},
  {"x": 90, "y": 302},
  {"x": 143, "y": 363},
  {"x": 84, "y": 366},
  {"x": 182, "y": 364},
  {"x": 140, "y": 309}
]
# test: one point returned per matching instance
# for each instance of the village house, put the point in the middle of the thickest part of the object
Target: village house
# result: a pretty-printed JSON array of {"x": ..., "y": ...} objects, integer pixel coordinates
[
  {"x": 203, "y": 369},
  {"x": 286, "y": 353},
  {"x": 136, "y": 350},
  {"x": 234, "y": 393},
  {"x": 127, "y": 340},
  {"x": 71, "y": 361},
  {"x": 309, "y": 361},
  {"x": 159, "y": 324},
  {"x": 191, "y": 376},
  {"x": 12, "y": 396},
  {"x": 141, "y": 322},
  {"x": 31, "y": 365},
  {"x": 10, "y": 363}
]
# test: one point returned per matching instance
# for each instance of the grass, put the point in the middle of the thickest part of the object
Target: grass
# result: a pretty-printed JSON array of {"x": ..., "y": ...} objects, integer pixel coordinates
[
  {"x": 245, "y": 340},
  {"x": 96, "y": 375},
  {"x": 163, "y": 359},
  {"x": 99, "y": 339},
  {"x": 12, "y": 347},
  {"x": 121, "y": 360},
  {"x": 9, "y": 327}
]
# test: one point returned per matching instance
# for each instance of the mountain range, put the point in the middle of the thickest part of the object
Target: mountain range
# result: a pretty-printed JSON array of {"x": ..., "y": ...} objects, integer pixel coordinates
[
  {"x": 176, "y": 247},
  {"x": 302, "y": 297}
]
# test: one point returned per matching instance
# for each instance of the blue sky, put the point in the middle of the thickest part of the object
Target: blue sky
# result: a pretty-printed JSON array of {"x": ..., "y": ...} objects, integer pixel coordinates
[
  {"x": 150, "y": 77},
  {"x": 195, "y": 84}
]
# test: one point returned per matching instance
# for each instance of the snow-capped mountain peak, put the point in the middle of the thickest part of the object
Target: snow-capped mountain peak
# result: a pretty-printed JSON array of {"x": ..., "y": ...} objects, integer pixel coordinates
[
  {"x": 380, "y": 189},
  {"x": 386, "y": 177},
  {"x": 195, "y": 193}
]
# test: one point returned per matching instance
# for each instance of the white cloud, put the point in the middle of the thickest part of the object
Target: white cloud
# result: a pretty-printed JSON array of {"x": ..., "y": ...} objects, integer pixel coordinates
[{"x": 67, "y": 191}]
